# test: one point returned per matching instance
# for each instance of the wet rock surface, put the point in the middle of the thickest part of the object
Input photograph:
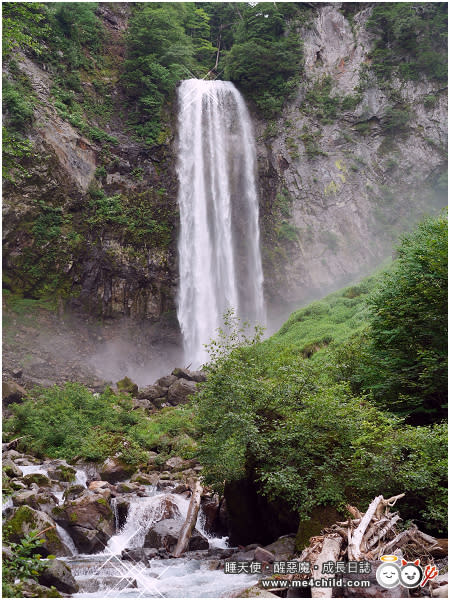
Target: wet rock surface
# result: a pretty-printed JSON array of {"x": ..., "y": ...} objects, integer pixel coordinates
[{"x": 165, "y": 534}]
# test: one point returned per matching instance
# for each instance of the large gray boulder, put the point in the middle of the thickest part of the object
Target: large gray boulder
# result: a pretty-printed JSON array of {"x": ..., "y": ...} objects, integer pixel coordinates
[
  {"x": 180, "y": 391},
  {"x": 165, "y": 534},
  {"x": 11, "y": 469},
  {"x": 58, "y": 574},
  {"x": 151, "y": 392},
  {"x": 12, "y": 392}
]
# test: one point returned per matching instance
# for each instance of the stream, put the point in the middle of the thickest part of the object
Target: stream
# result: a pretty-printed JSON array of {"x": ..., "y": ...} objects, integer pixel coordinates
[{"x": 196, "y": 574}]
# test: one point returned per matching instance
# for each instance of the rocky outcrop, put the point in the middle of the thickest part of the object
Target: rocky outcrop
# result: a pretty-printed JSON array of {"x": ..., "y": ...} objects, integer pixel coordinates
[
  {"x": 89, "y": 520},
  {"x": 114, "y": 470}
]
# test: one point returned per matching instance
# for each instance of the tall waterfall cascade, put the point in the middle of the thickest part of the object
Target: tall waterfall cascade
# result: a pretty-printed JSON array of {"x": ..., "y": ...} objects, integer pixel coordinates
[{"x": 219, "y": 255}]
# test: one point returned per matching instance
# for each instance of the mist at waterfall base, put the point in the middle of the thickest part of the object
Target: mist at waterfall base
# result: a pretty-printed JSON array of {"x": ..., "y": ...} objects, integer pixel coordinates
[{"x": 219, "y": 256}]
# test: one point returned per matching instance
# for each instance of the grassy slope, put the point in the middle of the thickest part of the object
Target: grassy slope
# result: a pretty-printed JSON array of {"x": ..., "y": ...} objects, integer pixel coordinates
[{"x": 332, "y": 319}]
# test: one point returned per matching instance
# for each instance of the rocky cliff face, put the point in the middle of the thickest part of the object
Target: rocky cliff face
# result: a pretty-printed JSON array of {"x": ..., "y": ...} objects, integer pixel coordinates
[
  {"x": 336, "y": 188},
  {"x": 110, "y": 203},
  {"x": 341, "y": 189}
]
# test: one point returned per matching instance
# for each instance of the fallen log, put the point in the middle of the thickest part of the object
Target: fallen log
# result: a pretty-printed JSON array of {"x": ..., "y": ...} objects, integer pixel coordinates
[{"x": 191, "y": 519}]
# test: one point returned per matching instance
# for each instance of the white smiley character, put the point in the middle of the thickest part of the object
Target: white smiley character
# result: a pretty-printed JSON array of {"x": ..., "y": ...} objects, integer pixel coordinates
[
  {"x": 388, "y": 575},
  {"x": 411, "y": 574}
]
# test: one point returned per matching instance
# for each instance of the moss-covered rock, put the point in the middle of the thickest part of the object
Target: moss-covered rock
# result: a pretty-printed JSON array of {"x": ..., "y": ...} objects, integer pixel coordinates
[
  {"x": 38, "y": 478},
  {"x": 128, "y": 386},
  {"x": 26, "y": 519}
]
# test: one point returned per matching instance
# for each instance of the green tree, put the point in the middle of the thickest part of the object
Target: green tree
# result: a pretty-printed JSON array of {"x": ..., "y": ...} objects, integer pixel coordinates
[
  {"x": 412, "y": 39},
  {"x": 266, "y": 55},
  {"x": 409, "y": 327},
  {"x": 24, "y": 26}
]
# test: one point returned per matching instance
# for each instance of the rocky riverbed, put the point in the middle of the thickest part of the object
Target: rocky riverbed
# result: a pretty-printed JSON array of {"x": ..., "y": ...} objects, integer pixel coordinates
[{"x": 114, "y": 532}]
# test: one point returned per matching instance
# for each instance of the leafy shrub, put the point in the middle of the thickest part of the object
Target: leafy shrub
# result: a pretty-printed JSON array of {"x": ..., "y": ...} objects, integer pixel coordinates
[
  {"x": 68, "y": 422},
  {"x": 24, "y": 563},
  {"x": 267, "y": 414},
  {"x": 409, "y": 326}
]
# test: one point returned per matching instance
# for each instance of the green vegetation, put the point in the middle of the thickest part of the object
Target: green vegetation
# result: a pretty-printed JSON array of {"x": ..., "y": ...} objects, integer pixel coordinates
[
  {"x": 300, "y": 416},
  {"x": 266, "y": 56},
  {"x": 144, "y": 220},
  {"x": 23, "y": 563},
  {"x": 68, "y": 422},
  {"x": 409, "y": 326},
  {"x": 166, "y": 42},
  {"x": 326, "y": 107},
  {"x": 412, "y": 40}
]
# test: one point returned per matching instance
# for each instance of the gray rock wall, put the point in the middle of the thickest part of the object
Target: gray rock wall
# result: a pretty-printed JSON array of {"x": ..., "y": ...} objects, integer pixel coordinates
[{"x": 345, "y": 199}]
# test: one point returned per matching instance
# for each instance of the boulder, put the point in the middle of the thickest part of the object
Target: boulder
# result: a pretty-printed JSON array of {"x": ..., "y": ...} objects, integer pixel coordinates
[
  {"x": 264, "y": 556},
  {"x": 113, "y": 470},
  {"x": 12, "y": 392},
  {"x": 166, "y": 382},
  {"x": 25, "y": 519},
  {"x": 44, "y": 501},
  {"x": 142, "y": 403},
  {"x": 197, "y": 376},
  {"x": 139, "y": 554},
  {"x": 88, "y": 541},
  {"x": 10, "y": 469},
  {"x": 95, "y": 486},
  {"x": 176, "y": 464},
  {"x": 74, "y": 491},
  {"x": 165, "y": 534},
  {"x": 30, "y": 589},
  {"x": 128, "y": 386},
  {"x": 58, "y": 574},
  {"x": 89, "y": 511},
  {"x": 151, "y": 392},
  {"x": 37, "y": 478},
  {"x": 62, "y": 472},
  {"x": 180, "y": 391},
  {"x": 283, "y": 548},
  {"x": 90, "y": 521}
]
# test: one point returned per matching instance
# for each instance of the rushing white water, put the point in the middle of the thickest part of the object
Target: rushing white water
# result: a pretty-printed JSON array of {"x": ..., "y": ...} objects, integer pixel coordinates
[
  {"x": 220, "y": 263},
  {"x": 66, "y": 539}
]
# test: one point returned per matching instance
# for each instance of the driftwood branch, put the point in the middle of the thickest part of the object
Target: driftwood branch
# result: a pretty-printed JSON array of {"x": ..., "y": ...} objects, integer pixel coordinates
[
  {"x": 366, "y": 537},
  {"x": 191, "y": 519}
]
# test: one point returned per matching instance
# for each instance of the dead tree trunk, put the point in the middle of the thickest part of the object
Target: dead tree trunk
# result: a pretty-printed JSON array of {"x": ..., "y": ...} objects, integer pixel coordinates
[{"x": 191, "y": 519}]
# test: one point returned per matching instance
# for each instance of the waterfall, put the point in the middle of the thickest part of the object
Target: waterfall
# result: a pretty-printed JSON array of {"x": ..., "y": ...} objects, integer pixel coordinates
[{"x": 219, "y": 257}]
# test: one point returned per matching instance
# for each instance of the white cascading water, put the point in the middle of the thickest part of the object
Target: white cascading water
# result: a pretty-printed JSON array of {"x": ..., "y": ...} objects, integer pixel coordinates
[{"x": 220, "y": 262}]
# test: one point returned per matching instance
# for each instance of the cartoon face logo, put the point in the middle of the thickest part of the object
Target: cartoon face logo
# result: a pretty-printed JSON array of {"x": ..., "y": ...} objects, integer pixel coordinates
[
  {"x": 388, "y": 575},
  {"x": 411, "y": 574}
]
